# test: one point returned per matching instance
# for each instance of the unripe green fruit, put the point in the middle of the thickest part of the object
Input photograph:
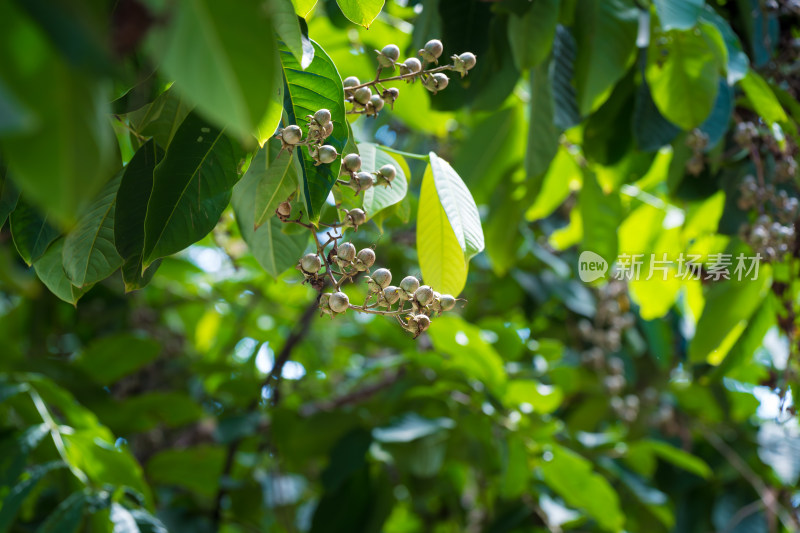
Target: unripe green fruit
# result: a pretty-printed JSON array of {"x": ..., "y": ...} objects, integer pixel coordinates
[
  {"x": 441, "y": 81},
  {"x": 409, "y": 284},
  {"x": 339, "y": 302},
  {"x": 327, "y": 129},
  {"x": 357, "y": 217},
  {"x": 423, "y": 295},
  {"x": 311, "y": 263},
  {"x": 391, "y": 51},
  {"x": 423, "y": 322},
  {"x": 367, "y": 257},
  {"x": 351, "y": 81},
  {"x": 327, "y": 153},
  {"x": 388, "y": 172},
  {"x": 412, "y": 64},
  {"x": 391, "y": 294},
  {"x": 292, "y": 134},
  {"x": 364, "y": 180},
  {"x": 382, "y": 277},
  {"x": 323, "y": 116},
  {"x": 377, "y": 102},
  {"x": 469, "y": 59},
  {"x": 346, "y": 251},
  {"x": 352, "y": 162},
  {"x": 447, "y": 301},
  {"x": 432, "y": 51},
  {"x": 362, "y": 95}
]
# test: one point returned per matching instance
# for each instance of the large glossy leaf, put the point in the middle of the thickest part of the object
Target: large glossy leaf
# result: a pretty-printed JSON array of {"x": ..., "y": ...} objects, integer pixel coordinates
[
  {"x": 161, "y": 118},
  {"x": 303, "y": 7},
  {"x": 543, "y": 133},
  {"x": 379, "y": 198},
  {"x": 191, "y": 187},
  {"x": 62, "y": 162},
  {"x": 462, "y": 213},
  {"x": 50, "y": 269},
  {"x": 274, "y": 250},
  {"x": 441, "y": 257},
  {"x": 89, "y": 251},
  {"x": 131, "y": 209},
  {"x": 276, "y": 181},
  {"x": 566, "y": 114},
  {"x": 224, "y": 61},
  {"x": 683, "y": 73},
  {"x": 572, "y": 477},
  {"x": 361, "y": 12},
  {"x": 287, "y": 26},
  {"x": 531, "y": 35},
  {"x": 307, "y": 91},
  {"x": 31, "y": 231},
  {"x": 606, "y": 36},
  {"x": 678, "y": 14}
]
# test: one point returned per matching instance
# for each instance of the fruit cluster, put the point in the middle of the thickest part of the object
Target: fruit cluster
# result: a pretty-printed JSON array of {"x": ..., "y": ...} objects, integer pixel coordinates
[
  {"x": 370, "y": 98},
  {"x": 320, "y": 127},
  {"x": 361, "y": 181},
  {"x": 382, "y": 297}
]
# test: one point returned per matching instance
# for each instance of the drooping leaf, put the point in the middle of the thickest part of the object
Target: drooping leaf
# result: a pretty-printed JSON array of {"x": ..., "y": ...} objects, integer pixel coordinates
[
  {"x": 67, "y": 517},
  {"x": 601, "y": 214},
  {"x": 287, "y": 26},
  {"x": 531, "y": 35},
  {"x": 161, "y": 118},
  {"x": 441, "y": 256},
  {"x": 678, "y": 14},
  {"x": 572, "y": 477},
  {"x": 303, "y": 7},
  {"x": 458, "y": 204},
  {"x": 361, "y": 12},
  {"x": 762, "y": 98},
  {"x": 62, "y": 162},
  {"x": 31, "y": 232},
  {"x": 223, "y": 60},
  {"x": 276, "y": 181},
  {"x": 317, "y": 87},
  {"x": 606, "y": 36},
  {"x": 50, "y": 269},
  {"x": 191, "y": 187},
  {"x": 274, "y": 250},
  {"x": 543, "y": 133},
  {"x": 683, "y": 73},
  {"x": 378, "y": 198},
  {"x": 89, "y": 251},
  {"x": 566, "y": 112},
  {"x": 131, "y": 209}
]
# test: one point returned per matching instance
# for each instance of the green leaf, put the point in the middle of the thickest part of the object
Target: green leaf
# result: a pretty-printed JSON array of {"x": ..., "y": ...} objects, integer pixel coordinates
[
  {"x": 14, "y": 117},
  {"x": 602, "y": 215},
  {"x": 531, "y": 35},
  {"x": 67, "y": 517},
  {"x": 738, "y": 62},
  {"x": 678, "y": 14},
  {"x": 108, "y": 359},
  {"x": 458, "y": 204},
  {"x": 50, "y": 269},
  {"x": 276, "y": 181},
  {"x": 379, "y": 198},
  {"x": 131, "y": 208},
  {"x": 89, "y": 251},
  {"x": 62, "y": 162},
  {"x": 224, "y": 60},
  {"x": 274, "y": 250},
  {"x": 763, "y": 100},
  {"x": 441, "y": 256},
  {"x": 31, "y": 232},
  {"x": 9, "y": 195},
  {"x": 303, "y": 7},
  {"x": 13, "y": 500},
  {"x": 673, "y": 455},
  {"x": 683, "y": 73},
  {"x": 566, "y": 113},
  {"x": 411, "y": 427},
  {"x": 650, "y": 129},
  {"x": 543, "y": 133},
  {"x": 606, "y": 37},
  {"x": 571, "y": 476},
  {"x": 728, "y": 308},
  {"x": 161, "y": 118},
  {"x": 287, "y": 26},
  {"x": 191, "y": 188},
  {"x": 362, "y": 12},
  {"x": 197, "y": 469},
  {"x": 122, "y": 519},
  {"x": 716, "y": 125},
  {"x": 468, "y": 352},
  {"x": 542, "y": 398},
  {"x": 317, "y": 87}
]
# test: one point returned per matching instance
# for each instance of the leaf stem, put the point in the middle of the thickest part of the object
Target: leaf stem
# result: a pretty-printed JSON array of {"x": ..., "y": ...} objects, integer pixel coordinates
[{"x": 405, "y": 154}]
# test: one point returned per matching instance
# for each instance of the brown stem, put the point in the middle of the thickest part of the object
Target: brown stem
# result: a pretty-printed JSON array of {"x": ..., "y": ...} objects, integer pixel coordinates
[{"x": 401, "y": 77}]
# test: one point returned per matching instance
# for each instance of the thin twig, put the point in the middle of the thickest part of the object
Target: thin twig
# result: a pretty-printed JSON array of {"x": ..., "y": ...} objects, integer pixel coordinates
[{"x": 399, "y": 77}]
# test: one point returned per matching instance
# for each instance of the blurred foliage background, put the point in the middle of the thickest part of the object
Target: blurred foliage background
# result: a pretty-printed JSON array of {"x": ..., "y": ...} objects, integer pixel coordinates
[{"x": 214, "y": 398}]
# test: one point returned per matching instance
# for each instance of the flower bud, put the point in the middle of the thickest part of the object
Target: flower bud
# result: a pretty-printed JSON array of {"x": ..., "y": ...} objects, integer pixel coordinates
[
  {"x": 391, "y": 294},
  {"x": 339, "y": 302},
  {"x": 364, "y": 181},
  {"x": 346, "y": 251},
  {"x": 362, "y": 95},
  {"x": 327, "y": 154},
  {"x": 423, "y": 295},
  {"x": 323, "y": 116},
  {"x": 382, "y": 277},
  {"x": 351, "y": 82},
  {"x": 408, "y": 286},
  {"x": 367, "y": 257},
  {"x": 291, "y": 135},
  {"x": 412, "y": 65},
  {"x": 447, "y": 302},
  {"x": 377, "y": 102},
  {"x": 356, "y": 217},
  {"x": 352, "y": 162},
  {"x": 311, "y": 263},
  {"x": 432, "y": 51},
  {"x": 388, "y": 55}
]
